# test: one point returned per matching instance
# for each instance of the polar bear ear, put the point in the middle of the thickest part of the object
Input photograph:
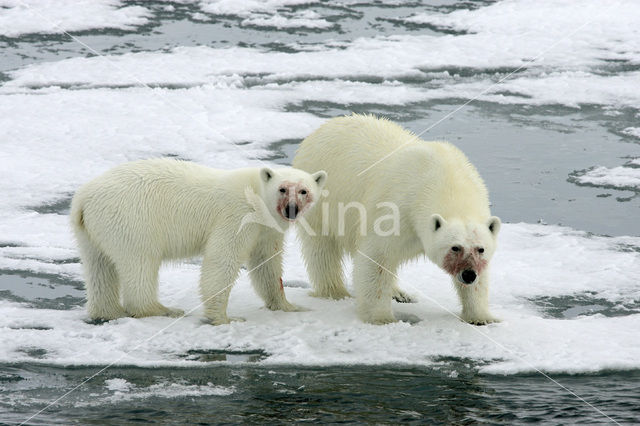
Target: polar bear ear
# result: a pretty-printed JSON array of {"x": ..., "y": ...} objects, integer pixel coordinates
[
  {"x": 436, "y": 222},
  {"x": 494, "y": 225},
  {"x": 266, "y": 174},
  {"x": 320, "y": 178}
]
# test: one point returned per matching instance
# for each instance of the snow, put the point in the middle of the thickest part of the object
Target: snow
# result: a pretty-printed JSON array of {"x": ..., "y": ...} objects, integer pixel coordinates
[{"x": 19, "y": 17}]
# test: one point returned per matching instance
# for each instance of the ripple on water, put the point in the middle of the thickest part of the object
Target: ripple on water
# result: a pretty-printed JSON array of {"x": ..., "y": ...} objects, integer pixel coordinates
[{"x": 588, "y": 303}]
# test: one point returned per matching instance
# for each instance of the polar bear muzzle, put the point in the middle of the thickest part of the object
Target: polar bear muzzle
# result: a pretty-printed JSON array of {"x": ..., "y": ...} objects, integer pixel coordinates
[
  {"x": 291, "y": 211},
  {"x": 464, "y": 265}
]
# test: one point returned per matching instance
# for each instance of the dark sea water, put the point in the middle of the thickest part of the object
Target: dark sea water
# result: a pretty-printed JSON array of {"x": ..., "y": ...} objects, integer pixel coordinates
[
  {"x": 353, "y": 394},
  {"x": 529, "y": 155}
]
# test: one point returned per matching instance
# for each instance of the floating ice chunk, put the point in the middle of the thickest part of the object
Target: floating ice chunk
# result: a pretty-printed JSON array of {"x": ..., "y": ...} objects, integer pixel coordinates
[
  {"x": 57, "y": 16},
  {"x": 304, "y": 19},
  {"x": 633, "y": 131},
  {"x": 200, "y": 17},
  {"x": 246, "y": 7},
  {"x": 622, "y": 177},
  {"x": 571, "y": 88},
  {"x": 164, "y": 390},
  {"x": 120, "y": 385}
]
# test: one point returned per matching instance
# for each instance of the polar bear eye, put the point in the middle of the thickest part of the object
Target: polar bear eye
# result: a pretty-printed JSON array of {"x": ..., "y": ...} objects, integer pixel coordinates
[
  {"x": 455, "y": 248},
  {"x": 303, "y": 192},
  {"x": 283, "y": 190},
  {"x": 480, "y": 250}
]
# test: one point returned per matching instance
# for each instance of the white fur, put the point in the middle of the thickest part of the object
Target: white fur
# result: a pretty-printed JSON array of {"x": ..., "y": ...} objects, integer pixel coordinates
[
  {"x": 137, "y": 215},
  {"x": 426, "y": 180}
]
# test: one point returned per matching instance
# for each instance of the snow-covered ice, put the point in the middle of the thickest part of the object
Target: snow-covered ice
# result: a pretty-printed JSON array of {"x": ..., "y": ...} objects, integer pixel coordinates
[
  {"x": 532, "y": 263},
  {"x": 548, "y": 33}
]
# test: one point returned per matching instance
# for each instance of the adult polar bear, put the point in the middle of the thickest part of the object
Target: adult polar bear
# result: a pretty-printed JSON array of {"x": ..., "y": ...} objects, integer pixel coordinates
[
  {"x": 378, "y": 167},
  {"x": 137, "y": 215}
]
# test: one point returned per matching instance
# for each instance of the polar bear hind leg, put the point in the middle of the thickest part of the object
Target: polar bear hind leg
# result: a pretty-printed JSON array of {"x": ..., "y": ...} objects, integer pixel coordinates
[{"x": 101, "y": 278}]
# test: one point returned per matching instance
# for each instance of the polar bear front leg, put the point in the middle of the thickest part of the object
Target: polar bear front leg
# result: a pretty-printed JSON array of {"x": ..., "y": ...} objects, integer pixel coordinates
[
  {"x": 220, "y": 269},
  {"x": 265, "y": 269},
  {"x": 475, "y": 300},
  {"x": 323, "y": 257},
  {"x": 374, "y": 283},
  {"x": 139, "y": 288}
]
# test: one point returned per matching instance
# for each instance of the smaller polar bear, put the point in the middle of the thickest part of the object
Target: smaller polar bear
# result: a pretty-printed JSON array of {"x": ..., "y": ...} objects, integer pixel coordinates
[
  {"x": 137, "y": 215},
  {"x": 393, "y": 197}
]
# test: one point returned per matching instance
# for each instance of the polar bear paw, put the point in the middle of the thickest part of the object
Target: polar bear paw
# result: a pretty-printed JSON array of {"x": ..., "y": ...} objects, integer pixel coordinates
[
  {"x": 288, "y": 307},
  {"x": 402, "y": 297},
  {"x": 480, "y": 319},
  {"x": 334, "y": 293},
  {"x": 377, "y": 318},
  {"x": 174, "y": 312},
  {"x": 153, "y": 310},
  {"x": 226, "y": 320},
  {"x": 104, "y": 315}
]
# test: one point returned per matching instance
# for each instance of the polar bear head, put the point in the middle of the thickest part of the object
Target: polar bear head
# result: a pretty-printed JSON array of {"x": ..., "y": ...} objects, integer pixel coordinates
[
  {"x": 462, "y": 248},
  {"x": 290, "y": 192}
]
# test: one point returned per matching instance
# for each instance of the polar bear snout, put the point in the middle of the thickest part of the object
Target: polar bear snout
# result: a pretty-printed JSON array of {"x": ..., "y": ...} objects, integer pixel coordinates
[
  {"x": 468, "y": 276},
  {"x": 291, "y": 211}
]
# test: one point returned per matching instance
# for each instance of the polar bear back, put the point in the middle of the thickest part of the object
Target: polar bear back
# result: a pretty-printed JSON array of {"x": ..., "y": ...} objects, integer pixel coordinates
[
  {"x": 371, "y": 160},
  {"x": 170, "y": 206}
]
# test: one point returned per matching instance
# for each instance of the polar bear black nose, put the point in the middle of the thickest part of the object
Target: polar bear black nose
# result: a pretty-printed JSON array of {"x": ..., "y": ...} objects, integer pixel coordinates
[
  {"x": 468, "y": 276},
  {"x": 291, "y": 211}
]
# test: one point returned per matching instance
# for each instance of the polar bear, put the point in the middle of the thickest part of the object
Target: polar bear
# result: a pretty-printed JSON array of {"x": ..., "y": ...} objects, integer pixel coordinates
[
  {"x": 137, "y": 215},
  {"x": 393, "y": 197}
]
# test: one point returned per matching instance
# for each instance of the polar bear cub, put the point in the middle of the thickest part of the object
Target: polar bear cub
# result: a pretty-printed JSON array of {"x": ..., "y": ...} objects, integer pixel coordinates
[
  {"x": 393, "y": 197},
  {"x": 137, "y": 215}
]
